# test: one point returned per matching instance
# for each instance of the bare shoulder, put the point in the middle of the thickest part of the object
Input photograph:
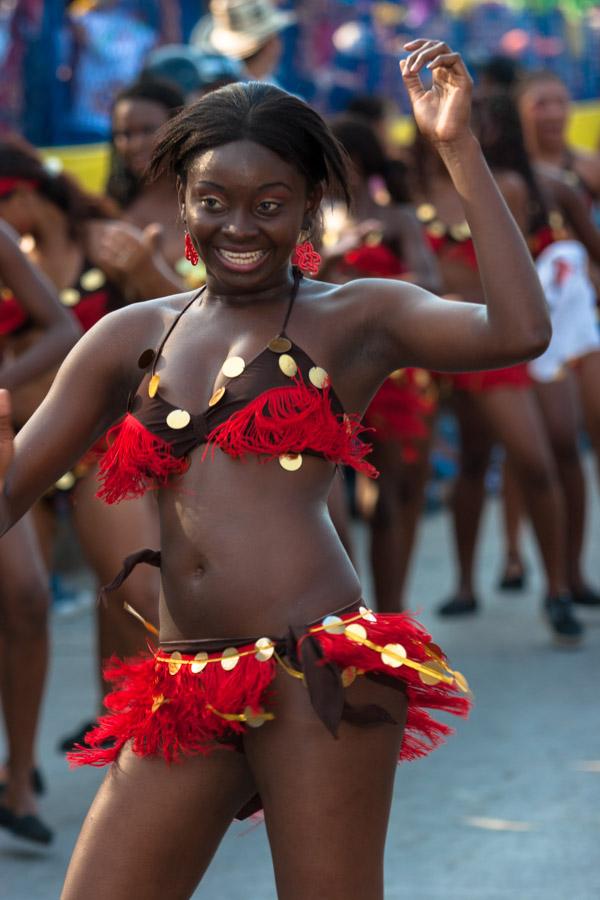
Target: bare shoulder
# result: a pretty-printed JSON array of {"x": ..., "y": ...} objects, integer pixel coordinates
[{"x": 360, "y": 301}]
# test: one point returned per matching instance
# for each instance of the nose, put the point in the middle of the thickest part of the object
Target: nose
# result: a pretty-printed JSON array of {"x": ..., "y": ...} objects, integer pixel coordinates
[{"x": 240, "y": 226}]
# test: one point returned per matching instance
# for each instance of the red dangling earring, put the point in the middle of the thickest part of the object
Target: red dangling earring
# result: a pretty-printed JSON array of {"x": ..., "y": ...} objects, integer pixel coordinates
[
  {"x": 306, "y": 258},
  {"x": 191, "y": 254}
]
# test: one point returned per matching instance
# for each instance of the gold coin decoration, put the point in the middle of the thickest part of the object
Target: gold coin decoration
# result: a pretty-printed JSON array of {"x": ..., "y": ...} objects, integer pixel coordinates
[
  {"x": 65, "y": 482},
  {"x": 264, "y": 649},
  {"x": 393, "y": 655},
  {"x": 426, "y": 212},
  {"x": 367, "y": 614},
  {"x": 178, "y": 418},
  {"x": 287, "y": 364},
  {"x": 92, "y": 279},
  {"x": 218, "y": 395},
  {"x": 461, "y": 682},
  {"x": 69, "y": 296},
  {"x": 229, "y": 658},
  {"x": 318, "y": 376},
  {"x": 255, "y": 718},
  {"x": 291, "y": 462},
  {"x": 432, "y": 676},
  {"x": 279, "y": 344},
  {"x": 348, "y": 676},
  {"x": 200, "y": 662},
  {"x": 157, "y": 702},
  {"x": 436, "y": 229},
  {"x": 175, "y": 662},
  {"x": 333, "y": 625},
  {"x": 146, "y": 359},
  {"x": 153, "y": 385},
  {"x": 6, "y": 294},
  {"x": 422, "y": 378},
  {"x": 460, "y": 232},
  {"x": 356, "y": 632},
  {"x": 233, "y": 366}
]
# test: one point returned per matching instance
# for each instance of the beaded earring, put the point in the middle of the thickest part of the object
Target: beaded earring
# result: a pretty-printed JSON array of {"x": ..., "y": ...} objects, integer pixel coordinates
[{"x": 191, "y": 254}]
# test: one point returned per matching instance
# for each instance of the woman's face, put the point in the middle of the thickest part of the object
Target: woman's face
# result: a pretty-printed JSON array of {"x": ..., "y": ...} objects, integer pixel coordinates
[
  {"x": 544, "y": 111},
  {"x": 244, "y": 207},
  {"x": 134, "y": 125}
]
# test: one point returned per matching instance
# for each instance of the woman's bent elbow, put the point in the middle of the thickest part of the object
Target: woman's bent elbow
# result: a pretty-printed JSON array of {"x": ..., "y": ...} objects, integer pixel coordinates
[{"x": 538, "y": 341}]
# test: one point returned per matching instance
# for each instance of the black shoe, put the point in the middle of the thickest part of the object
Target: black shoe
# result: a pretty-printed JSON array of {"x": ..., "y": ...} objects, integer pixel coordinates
[
  {"x": 29, "y": 827},
  {"x": 513, "y": 579},
  {"x": 558, "y": 612},
  {"x": 70, "y": 741},
  {"x": 37, "y": 783},
  {"x": 458, "y": 606},
  {"x": 586, "y": 597}
]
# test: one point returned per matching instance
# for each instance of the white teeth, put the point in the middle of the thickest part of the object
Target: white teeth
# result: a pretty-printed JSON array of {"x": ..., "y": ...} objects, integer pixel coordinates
[{"x": 242, "y": 258}]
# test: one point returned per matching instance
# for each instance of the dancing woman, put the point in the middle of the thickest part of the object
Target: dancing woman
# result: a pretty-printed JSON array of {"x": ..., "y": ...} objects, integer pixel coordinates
[{"x": 247, "y": 368}]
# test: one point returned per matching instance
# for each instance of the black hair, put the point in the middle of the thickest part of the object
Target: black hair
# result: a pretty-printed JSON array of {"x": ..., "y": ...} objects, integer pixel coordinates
[
  {"x": 498, "y": 127},
  {"x": 18, "y": 161},
  {"x": 500, "y": 71},
  {"x": 367, "y": 153},
  {"x": 256, "y": 112},
  {"x": 535, "y": 76},
  {"x": 122, "y": 185},
  {"x": 368, "y": 106}
]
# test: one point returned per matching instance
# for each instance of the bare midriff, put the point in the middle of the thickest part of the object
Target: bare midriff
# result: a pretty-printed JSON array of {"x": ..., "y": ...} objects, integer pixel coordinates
[{"x": 249, "y": 548}]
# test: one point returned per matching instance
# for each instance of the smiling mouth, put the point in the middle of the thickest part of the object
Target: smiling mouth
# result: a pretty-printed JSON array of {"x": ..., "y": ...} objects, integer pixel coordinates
[{"x": 241, "y": 261}]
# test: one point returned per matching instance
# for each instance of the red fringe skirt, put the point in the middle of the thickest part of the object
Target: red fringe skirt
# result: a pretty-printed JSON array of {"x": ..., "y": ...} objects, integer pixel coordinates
[
  {"x": 476, "y": 382},
  {"x": 175, "y": 704},
  {"x": 402, "y": 410}
]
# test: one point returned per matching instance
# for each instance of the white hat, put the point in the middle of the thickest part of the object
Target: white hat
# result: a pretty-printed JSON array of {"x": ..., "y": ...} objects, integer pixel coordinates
[{"x": 238, "y": 28}]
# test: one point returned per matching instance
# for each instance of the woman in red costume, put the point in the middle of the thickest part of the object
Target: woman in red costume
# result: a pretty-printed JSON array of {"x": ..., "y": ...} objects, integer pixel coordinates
[
  {"x": 66, "y": 228},
  {"x": 24, "y": 594},
  {"x": 238, "y": 402},
  {"x": 403, "y": 410},
  {"x": 496, "y": 405}
]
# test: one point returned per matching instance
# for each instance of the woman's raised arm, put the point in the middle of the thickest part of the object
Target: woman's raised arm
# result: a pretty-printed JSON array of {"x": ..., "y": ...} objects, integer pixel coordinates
[{"x": 412, "y": 326}]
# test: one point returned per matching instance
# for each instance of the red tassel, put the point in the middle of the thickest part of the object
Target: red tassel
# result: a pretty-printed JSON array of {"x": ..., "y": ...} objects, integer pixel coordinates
[
  {"x": 174, "y": 715},
  {"x": 422, "y": 732},
  {"x": 191, "y": 254},
  {"x": 292, "y": 420},
  {"x": 135, "y": 461}
]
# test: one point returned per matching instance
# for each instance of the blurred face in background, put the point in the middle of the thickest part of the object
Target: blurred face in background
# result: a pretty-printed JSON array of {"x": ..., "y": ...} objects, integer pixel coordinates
[
  {"x": 544, "y": 110},
  {"x": 134, "y": 126}
]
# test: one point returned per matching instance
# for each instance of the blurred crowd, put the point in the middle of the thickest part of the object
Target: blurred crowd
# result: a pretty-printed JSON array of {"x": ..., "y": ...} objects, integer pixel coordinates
[{"x": 67, "y": 258}]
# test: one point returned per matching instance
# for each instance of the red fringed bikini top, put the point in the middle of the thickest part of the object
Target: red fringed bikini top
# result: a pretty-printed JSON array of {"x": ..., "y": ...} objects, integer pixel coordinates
[{"x": 278, "y": 405}]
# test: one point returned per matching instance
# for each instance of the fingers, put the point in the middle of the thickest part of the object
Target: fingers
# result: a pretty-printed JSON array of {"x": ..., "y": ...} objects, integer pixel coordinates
[{"x": 431, "y": 54}]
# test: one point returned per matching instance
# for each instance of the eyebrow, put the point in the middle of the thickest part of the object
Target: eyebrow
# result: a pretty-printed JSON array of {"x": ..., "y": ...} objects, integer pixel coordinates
[{"x": 262, "y": 187}]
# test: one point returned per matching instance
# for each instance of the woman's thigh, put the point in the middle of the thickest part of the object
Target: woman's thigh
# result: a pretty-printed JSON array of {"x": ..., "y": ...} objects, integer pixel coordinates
[
  {"x": 153, "y": 828},
  {"x": 24, "y": 595},
  {"x": 327, "y": 800}
]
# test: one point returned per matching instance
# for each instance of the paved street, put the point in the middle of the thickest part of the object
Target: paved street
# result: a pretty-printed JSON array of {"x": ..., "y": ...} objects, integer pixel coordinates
[{"x": 510, "y": 808}]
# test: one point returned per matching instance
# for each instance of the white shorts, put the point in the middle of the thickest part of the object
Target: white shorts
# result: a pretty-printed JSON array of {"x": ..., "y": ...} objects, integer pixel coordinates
[{"x": 563, "y": 271}]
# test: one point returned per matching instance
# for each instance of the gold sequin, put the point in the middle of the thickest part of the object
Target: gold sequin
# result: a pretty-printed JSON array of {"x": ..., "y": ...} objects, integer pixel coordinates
[
  {"x": 175, "y": 662},
  {"x": 153, "y": 385},
  {"x": 69, "y": 297},
  {"x": 398, "y": 375},
  {"x": 229, "y": 658},
  {"x": 436, "y": 229},
  {"x": 460, "y": 232},
  {"x": 287, "y": 364},
  {"x": 264, "y": 649},
  {"x": 200, "y": 662},
  {"x": 256, "y": 718},
  {"x": 92, "y": 279},
  {"x": 393, "y": 655},
  {"x": 291, "y": 462},
  {"x": 333, "y": 624},
  {"x": 356, "y": 632},
  {"x": 461, "y": 682},
  {"x": 348, "y": 676},
  {"x": 432, "y": 676},
  {"x": 318, "y": 376},
  {"x": 178, "y": 418},
  {"x": 218, "y": 395},
  {"x": 422, "y": 378},
  {"x": 233, "y": 366},
  {"x": 157, "y": 702},
  {"x": 367, "y": 614},
  {"x": 65, "y": 482},
  {"x": 279, "y": 344},
  {"x": 426, "y": 212}
]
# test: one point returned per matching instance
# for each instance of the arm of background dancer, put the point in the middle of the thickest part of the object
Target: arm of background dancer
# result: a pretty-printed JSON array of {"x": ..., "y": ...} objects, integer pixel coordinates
[
  {"x": 578, "y": 217},
  {"x": 89, "y": 393},
  {"x": 516, "y": 196},
  {"x": 38, "y": 299},
  {"x": 420, "y": 328},
  {"x": 416, "y": 255}
]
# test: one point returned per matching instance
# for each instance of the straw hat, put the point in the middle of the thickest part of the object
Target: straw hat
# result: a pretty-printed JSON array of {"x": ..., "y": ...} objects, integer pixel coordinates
[{"x": 238, "y": 28}]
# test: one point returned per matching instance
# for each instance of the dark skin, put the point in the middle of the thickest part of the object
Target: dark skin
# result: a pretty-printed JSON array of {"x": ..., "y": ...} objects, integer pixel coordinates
[
  {"x": 24, "y": 597},
  {"x": 221, "y": 573}
]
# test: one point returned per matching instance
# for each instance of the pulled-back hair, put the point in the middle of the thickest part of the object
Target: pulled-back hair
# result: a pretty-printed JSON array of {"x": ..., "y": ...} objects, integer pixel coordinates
[
  {"x": 256, "y": 112},
  {"x": 534, "y": 76},
  {"x": 18, "y": 161},
  {"x": 367, "y": 152},
  {"x": 122, "y": 185}
]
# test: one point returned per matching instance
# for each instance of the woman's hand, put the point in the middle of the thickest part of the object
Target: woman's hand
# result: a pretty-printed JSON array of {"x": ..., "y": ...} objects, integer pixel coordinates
[
  {"x": 443, "y": 111},
  {"x": 6, "y": 435}
]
